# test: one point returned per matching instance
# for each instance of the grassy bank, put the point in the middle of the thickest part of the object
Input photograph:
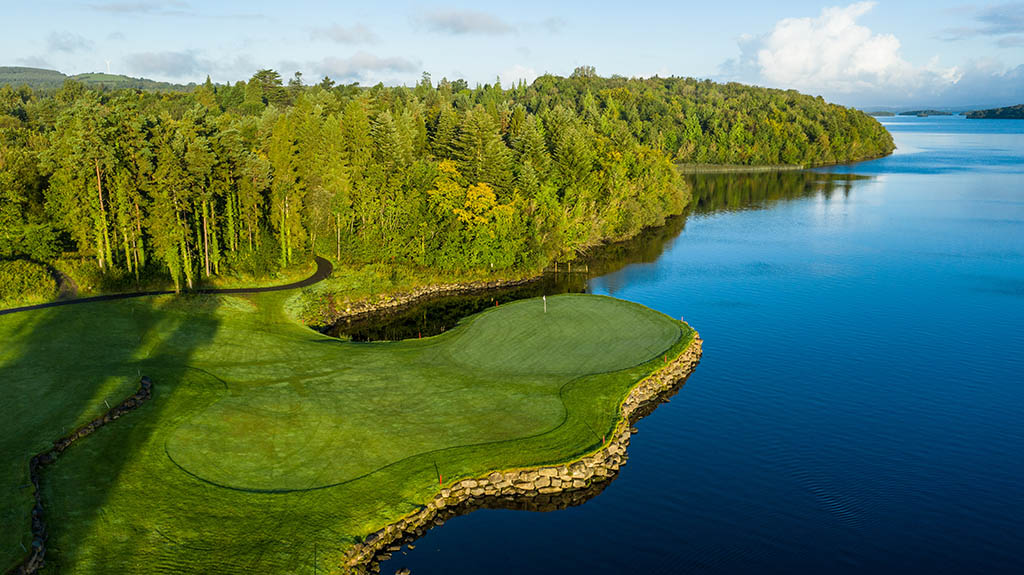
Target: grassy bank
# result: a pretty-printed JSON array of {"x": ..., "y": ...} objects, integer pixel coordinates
[
  {"x": 371, "y": 284},
  {"x": 89, "y": 280},
  {"x": 264, "y": 438}
]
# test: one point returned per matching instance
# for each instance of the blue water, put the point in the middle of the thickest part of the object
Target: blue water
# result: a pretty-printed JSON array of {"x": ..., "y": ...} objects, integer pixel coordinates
[{"x": 860, "y": 404}]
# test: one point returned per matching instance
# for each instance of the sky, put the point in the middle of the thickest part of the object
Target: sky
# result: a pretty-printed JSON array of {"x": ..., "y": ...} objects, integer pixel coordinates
[{"x": 868, "y": 54}]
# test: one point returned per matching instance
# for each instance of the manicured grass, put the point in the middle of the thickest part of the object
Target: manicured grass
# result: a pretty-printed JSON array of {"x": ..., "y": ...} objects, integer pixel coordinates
[{"x": 264, "y": 438}]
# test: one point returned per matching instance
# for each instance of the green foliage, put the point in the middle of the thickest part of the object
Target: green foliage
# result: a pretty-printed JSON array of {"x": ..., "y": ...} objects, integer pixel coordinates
[
  {"x": 699, "y": 121},
  {"x": 25, "y": 282},
  {"x": 1007, "y": 113},
  {"x": 925, "y": 113},
  {"x": 447, "y": 178},
  {"x": 37, "y": 78},
  {"x": 51, "y": 80}
]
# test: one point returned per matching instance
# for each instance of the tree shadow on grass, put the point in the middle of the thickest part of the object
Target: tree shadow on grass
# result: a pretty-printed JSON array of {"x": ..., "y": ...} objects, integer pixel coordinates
[
  {"x": 63, "y": 367},
  {"x": 127, "y": 509},
  {"x": 118, "y": 505},
  {"x": 53, "y": 381},
  {"x": 98, "y": 489}
]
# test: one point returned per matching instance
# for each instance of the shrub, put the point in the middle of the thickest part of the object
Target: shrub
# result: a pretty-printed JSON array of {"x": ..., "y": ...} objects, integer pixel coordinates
[
  {"x": 90, "y": 279},
  {"x": 25, "y": 282}
]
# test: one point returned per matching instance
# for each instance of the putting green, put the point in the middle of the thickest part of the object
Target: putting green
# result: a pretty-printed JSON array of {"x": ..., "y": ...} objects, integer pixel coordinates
[
  {"x": 268, "y": 447},
  {"x": 497, "y": 377},
  {"x": 577, "y": 335}
]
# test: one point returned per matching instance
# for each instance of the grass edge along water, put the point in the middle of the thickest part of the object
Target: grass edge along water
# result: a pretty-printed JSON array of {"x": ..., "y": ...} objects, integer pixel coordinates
[{"x": 107, "y": 477}]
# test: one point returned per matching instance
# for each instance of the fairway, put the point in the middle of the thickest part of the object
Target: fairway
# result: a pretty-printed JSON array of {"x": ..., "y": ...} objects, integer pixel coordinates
[
  {"x": 497, "y": 378},
  {"x": 264, "y": 435}
]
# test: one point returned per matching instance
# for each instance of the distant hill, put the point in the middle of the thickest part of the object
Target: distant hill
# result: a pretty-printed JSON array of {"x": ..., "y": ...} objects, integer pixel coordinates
[
  {"x": 1007, "y": 113},
  {"x": 925, "y": 113},
  {"x": 42, "y": 79},
  {"x": 32, "y": 77},
  {"x": 881, "y": 114}
]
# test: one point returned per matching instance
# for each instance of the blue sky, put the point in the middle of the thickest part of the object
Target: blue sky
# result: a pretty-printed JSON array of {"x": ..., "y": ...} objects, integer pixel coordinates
[{"x": 885, "y": 53}]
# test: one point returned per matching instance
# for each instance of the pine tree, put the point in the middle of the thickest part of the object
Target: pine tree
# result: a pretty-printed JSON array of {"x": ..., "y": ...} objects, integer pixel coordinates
[
  {"x": 443, "y": 141},
  {"x": 481, "y": 152}
]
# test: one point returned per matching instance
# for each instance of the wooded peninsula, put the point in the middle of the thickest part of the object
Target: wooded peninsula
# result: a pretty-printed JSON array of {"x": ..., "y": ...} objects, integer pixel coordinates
[
  {"x": 134, "y": 186},
  {"x": 1007, "y": 113}
]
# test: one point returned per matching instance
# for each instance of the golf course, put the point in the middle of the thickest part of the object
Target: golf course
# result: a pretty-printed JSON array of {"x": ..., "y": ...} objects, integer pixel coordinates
[{"x": 268, "y": 447}]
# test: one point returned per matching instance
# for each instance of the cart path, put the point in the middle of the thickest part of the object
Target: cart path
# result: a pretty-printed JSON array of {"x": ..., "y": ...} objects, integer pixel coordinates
[{"x": 323, "y": 269}]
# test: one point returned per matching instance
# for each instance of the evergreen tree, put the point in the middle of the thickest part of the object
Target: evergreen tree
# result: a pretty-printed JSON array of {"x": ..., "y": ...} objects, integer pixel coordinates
[{"x": 257, "y": 175}]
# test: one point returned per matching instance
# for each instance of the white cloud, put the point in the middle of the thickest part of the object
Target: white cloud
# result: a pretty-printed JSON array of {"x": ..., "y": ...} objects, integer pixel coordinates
[
  {"x": 355, "y": 34},
  {"x": 1011, "y": 41},
  {"x": 68, "y": 42},
  {"x": 461, "y": 22},
  {"x": 511, "y": 76},
  {"x": 35, "y": 62},
  {"x": 987, "y": 84},
  {"x": 173, "y": 7},
  {"x": 168, "y": 64},
  {"x": 554, "y": 25},
  {"x": 363, "y": 66},
  {"x": 833, "y": 54},
  {"x": 992, "y": 20}
]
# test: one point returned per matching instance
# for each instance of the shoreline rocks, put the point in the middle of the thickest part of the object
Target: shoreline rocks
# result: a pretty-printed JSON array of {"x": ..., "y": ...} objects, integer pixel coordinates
[
  {"x": 390, "y": 303},
  {"x": 506, "y": 488}
]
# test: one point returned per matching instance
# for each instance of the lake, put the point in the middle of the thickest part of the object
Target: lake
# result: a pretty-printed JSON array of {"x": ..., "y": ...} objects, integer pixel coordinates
[{"x": 860, "y": 404}]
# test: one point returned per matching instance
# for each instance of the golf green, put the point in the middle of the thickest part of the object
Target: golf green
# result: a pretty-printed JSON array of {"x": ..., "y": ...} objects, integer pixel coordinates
[{"x": 264, "y": 436}]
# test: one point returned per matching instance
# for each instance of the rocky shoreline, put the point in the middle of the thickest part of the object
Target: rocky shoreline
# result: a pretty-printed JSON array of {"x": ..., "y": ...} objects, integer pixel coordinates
[
  {"x": 390, "y": 303},
  {"x": 37, "y": 555},
  {"x": 537, "y": 503},
  {"x": 531, "y": 484}
]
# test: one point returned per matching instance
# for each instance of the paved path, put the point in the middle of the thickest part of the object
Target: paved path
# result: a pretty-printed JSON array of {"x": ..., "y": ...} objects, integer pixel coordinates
[{"x": 323, "y": 269}]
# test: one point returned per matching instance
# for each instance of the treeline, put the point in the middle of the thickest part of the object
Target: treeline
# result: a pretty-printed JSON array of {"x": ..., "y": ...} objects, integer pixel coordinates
[
  {"x": 703, "y": 122},
  {"x": 46, "y": 81},
  {"x": 258, "y": 175},
  {"x": 1007, "y": 113}
]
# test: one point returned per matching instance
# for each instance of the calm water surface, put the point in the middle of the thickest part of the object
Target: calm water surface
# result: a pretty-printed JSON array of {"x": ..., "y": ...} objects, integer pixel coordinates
[{"x": 860, "y": 405}]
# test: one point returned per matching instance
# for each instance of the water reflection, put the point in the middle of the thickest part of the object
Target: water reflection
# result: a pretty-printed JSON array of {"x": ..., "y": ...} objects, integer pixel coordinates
[
  {"x": 858, "y": 407},
  {"x": 437, "y": 314},
  {"x": 711, "y": 193},
  {"x": 737, "y": 191}
]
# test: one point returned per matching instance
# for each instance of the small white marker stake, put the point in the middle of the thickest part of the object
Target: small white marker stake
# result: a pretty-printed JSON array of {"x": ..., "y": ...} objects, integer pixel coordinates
[{"x": 545, "y": 303}]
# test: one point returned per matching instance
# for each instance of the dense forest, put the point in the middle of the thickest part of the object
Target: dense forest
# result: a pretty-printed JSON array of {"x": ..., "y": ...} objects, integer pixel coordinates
[{"x": 257, "y": 175}]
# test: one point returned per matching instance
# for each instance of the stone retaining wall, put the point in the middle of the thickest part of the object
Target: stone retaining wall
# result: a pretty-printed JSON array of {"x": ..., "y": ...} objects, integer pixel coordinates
[
  {"x": 579, "y": 475},
  {"x": 36, "y": 557},
  {"x": 550, "y": 502},
  {"x": 362, "y": 308}
]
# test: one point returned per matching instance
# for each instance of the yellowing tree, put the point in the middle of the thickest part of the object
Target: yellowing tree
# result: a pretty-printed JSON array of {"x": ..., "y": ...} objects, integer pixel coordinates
[{"x": 479, "y": 205}]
